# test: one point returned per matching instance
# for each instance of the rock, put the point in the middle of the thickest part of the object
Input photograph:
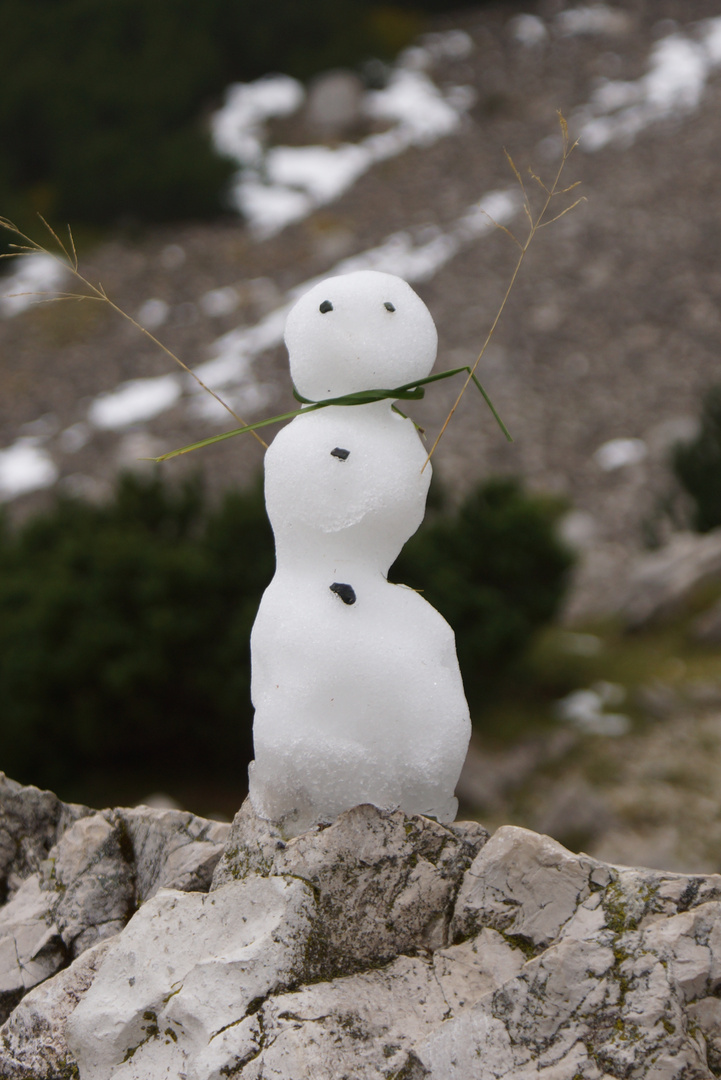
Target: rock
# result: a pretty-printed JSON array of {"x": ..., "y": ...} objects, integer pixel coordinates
[
  {"x": 31, "y": 948},
  {"x": 661, "y": 581},
  {"x": 36, "y": 1031},
  {"x": 334, "y": 101},
  {"x": 384, "y": 882},
  {"x": 171, "y": 849},
  {"x": 510, "y": 882},
  {"x": 382, "y": 947},
  {"x": 31, "y": 822},
  {"x": 68, "y": 895},
  {"x": 189, "y": 967}
]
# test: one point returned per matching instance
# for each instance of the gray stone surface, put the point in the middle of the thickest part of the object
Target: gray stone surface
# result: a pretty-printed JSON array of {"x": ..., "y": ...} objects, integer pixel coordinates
[
  {"x": 31, "y": 822},
  {"x": 34, "y": 1045},
  {"x": 384, "y": 882},
  {"x": 75, "y": 876},
  {"x": 333, "y": 105},
  {"x": 661, "y": 581},
  {"x": 189, "y": 967},
  {"x": 380, "y": 948}
]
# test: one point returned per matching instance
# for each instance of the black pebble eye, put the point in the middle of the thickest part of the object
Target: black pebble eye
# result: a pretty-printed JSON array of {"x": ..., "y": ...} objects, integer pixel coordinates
[
  {"x": 325, "y": 306},
  {"x": 388, "y": 306}
]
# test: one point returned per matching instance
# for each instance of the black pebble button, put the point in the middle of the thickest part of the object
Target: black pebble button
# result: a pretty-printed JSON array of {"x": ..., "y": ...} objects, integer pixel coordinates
[{"x": 346, "y": 592}]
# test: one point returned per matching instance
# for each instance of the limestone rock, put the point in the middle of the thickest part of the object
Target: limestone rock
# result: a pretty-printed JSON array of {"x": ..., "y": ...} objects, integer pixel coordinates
[
  {"x": 385, "y": 882},
  {"x": 80, "y": 875},
  {"x": 334, "y": 102},
  {"x": 189, "y": 967},
  {"x": 31, "y": 948},
  {"x": 31, "y": 822},
  {"x": 661, "y": 580},
  {"x": 34, "y": 1045},
  {"x": 512, "y": 882},
  {"x": 381, "y": 947}
]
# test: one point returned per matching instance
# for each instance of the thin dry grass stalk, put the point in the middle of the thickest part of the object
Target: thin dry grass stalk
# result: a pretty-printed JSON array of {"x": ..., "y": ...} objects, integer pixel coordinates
[
  {"x": 535, "y": 222},
  {"x": 69, "y": 259}
]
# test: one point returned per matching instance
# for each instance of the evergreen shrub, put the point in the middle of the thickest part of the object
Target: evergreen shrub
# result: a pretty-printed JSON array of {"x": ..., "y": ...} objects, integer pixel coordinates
[
  {"x": 697, "y": 465},
  {"x": 124, "y": 634}
]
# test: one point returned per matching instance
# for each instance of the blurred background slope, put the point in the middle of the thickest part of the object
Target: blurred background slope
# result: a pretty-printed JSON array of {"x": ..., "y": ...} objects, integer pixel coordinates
[{"x": 213, "y": 160}]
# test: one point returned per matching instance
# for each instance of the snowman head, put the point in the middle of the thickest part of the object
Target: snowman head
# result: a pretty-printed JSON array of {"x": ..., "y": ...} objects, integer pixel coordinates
[{"x": 360, "y": 331}]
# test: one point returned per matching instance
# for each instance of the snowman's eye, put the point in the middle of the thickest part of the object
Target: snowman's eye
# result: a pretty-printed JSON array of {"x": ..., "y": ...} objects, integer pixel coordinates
[
  {"x": 325, "y": 306},
  {"x": 388, "y": 306}
]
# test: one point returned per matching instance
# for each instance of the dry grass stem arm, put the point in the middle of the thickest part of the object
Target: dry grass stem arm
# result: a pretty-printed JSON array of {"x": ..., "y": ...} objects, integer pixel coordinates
[
  {"x": 535, "y": 223},
  {"x": 69, "y": 260}
]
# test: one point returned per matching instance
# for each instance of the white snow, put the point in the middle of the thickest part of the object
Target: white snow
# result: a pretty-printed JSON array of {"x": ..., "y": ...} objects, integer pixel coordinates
[
  {"x": 355, "y": 682},
  {"x": 444, "y": 45},
  {"x": 283, "y": 184},
  {"x": 584, "y": 709},
  {"x": 360, "y": 343},
  {"x": 414, "y": 103},
  {"x": 418, "y": 112},
  {"x": 35, "y": 277},
  {"x": 219, "y": 302},
  {"x": 528, "y": 30},
  {"x": 619, "y": 452},
  {"x": 153, "y": 314},
  {"x": 239, "y": 126},
  {"x": 269, "y": 209},
  {"x": 25, "y": 466},
  {"x": 234, "y": 350},
  {"x": 135, "y": 401},
  {"x": 679, "y": 69},
  {"x": 711, "y": 38},
  {"x": 320, "y": 172},
  {"x": 418, "y": 255}
]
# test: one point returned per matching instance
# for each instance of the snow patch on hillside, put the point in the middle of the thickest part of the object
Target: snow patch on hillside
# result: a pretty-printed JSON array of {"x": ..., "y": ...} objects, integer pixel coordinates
[
  {"x": 282, "y": 184},
  {"x": 674, "y": 85}
]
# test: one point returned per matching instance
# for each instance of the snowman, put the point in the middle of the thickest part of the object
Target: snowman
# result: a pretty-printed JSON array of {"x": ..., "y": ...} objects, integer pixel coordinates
[{"x": 355, "y": 681}]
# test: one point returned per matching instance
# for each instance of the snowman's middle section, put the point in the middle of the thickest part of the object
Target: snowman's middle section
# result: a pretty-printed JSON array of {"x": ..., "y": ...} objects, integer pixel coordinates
[{"x": 344, "y": 487}]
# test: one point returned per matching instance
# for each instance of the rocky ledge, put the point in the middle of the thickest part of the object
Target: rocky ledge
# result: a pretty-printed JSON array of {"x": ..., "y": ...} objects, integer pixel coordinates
[{"x": 144, "y": 944}]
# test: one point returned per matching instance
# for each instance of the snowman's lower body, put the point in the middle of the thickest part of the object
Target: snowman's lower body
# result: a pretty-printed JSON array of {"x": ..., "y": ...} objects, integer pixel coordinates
[{"x": 354, "y": 703}]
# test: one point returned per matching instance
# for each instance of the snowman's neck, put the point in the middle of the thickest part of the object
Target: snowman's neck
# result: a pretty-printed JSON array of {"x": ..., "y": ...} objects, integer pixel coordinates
[{"x": 371, "y": 408}]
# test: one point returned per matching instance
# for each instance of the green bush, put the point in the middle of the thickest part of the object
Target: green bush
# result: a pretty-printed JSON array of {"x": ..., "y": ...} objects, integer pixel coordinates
[
  {"x": 498, "y": 572},
  {"x": 124, "y": 634},
  {"x": 697, "y": 465},
  {"x": 124, "y": 628}
]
